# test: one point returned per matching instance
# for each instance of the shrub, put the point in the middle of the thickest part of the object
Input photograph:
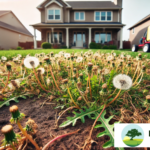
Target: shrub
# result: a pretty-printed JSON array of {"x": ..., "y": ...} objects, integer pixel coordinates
[
  {"x": 64, "y": 47},
  {"x": 93, "y": 45},
  {"x": 105, "y": 47},
  {"x": 46, "y": 45},
  {"x": 99, "y": 46},
  {"x": 112, "y": 47},
  {"x": 19, "y": 48}
]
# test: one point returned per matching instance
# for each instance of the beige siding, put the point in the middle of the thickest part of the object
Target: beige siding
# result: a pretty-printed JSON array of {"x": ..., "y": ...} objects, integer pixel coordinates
[
  {"x": 10, "y": 39},
  {"x": 12, "y": 20},
  {"x": 43, "y": 15},
  {"x": 89, "y": 16},
  {"x": 54, "y": 6},
  {"x": 138, "y": 33}
]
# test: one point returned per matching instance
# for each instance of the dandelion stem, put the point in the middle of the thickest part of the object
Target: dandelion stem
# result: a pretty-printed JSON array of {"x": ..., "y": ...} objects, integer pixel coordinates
[
  {"x": 72, "y": 98},
  {"x": 39, "y": 81},
  {"x": 114, "y": 98},
  {"x": 61, "y": 136},
  {"x": 82, "y": 95},
  {"x": 96, "y": 121},
  {"x": 27, "y": 136},
  {"x": 145, "y": 110},
  {"x": 54, "y": 78},
  {"x": 6, "y": 82},
  {"x": 90, "y": 87}
]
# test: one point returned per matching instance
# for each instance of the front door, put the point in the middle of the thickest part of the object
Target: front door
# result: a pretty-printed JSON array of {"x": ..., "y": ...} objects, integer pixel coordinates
[{"x": 79, "y": 42}]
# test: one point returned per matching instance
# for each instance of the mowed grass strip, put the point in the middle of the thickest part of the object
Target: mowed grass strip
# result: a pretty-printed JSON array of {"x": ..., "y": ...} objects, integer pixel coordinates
[{"x": 12, "y": 53}]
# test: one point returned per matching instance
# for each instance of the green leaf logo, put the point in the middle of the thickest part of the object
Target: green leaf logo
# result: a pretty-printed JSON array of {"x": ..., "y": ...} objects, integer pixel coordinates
[{"x": 132, "y": 135}]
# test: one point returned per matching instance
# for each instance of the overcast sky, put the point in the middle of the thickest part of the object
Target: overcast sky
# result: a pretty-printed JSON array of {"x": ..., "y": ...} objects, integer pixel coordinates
[{"x": 25, "y": 10}]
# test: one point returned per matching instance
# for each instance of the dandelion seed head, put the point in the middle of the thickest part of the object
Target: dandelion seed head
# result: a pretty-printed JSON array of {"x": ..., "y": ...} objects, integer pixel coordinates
[
  {"x": 31, "y": 62},
  {"x": 122, "y": 81}
]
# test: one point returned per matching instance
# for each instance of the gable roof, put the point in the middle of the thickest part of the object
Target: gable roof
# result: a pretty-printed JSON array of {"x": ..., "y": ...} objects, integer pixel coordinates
[
  {"x": 141, "y": 21},
  {"x": 93, "y": 5},
  {"x": 3, "y": 12},
  {"x": 46, "y": 2},
  {"x": 53, "y": 1},
  {"x": 13, "y": 28}
]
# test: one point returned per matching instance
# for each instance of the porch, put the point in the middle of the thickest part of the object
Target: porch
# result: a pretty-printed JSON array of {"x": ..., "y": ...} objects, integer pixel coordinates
[{"x": 81, "y": 37}]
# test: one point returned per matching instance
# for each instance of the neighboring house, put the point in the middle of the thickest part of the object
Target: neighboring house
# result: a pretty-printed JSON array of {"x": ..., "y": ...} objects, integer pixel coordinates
[
  {"x": 138, "y": 30},
  {"x": 78, "y": 23},
  {"x": 12, "y": 31}
]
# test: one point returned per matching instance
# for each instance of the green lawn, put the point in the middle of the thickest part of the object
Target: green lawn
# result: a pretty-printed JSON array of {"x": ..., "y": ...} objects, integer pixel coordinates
[{"x": 12, "y": 53}]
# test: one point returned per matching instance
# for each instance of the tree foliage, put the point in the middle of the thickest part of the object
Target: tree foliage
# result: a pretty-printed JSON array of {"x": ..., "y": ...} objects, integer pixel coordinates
[{"x": 133, "y": 133}]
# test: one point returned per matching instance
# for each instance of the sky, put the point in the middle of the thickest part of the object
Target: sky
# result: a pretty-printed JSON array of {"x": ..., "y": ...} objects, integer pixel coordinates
[{"x": 28, "y": 14}]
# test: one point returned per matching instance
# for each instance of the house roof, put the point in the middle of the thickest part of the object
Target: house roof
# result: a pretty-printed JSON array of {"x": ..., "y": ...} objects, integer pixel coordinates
[
  {"x": 2, "y": 12},
  {"x": 116, "y": 24},
  {"x": 141, "y": 21},
  {"x": 13, "y": 28},
  {"x": 93, "y": 5}
]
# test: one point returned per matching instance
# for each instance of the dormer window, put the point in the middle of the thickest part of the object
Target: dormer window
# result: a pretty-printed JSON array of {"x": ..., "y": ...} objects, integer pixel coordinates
[
  {"x": 53, "y": 14},
  {"x": 103, "y": 16},
  {"x": 79, "y": 16}
]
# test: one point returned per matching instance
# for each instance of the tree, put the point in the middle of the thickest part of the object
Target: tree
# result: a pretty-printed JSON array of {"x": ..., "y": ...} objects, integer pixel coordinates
[{"x": 133, "y": 133}]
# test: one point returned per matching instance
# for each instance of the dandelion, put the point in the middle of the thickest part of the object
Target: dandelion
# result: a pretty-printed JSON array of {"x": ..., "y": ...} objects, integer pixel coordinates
[
  {"x": 106, "y": 71},
  {"x": 31, "y": 62},
  {"x": 3, "y": 58},
  {"x": 79, "y": 59},
  {"x": 122, "y": 81},
  {"x": 67, "y": 55},
  {"x": 41, "y": 70},
  {"x": 110, "y": 58}
]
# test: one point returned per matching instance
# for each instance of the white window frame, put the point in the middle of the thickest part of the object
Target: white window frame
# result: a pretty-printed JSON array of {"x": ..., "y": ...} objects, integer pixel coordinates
[
  {"x": 54, "y": 14},
  {"x": 133, "y": 30},
  {"x": 105, "y": 16},
  {"x": 106, "y": 32},
  {"x": 50, "y": 34},
  {"x": 79, "y": 15}
]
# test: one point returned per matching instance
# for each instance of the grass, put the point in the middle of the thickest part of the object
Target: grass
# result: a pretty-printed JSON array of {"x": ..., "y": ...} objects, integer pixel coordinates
[
  {"x": 133, "y": 143},
  {"x": 11, "y": 53}
]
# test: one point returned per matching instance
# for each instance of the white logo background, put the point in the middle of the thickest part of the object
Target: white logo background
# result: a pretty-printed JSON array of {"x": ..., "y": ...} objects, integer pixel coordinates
[{"x": 119, "y": 127}]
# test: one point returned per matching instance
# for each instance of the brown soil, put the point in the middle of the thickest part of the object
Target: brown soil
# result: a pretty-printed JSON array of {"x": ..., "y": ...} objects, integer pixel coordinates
[{"x": 45, "y": 119}]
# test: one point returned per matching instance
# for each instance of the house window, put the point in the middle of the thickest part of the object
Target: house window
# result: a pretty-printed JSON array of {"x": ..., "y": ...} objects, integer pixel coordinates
[
  {"x": 109, "y": 15},
  {"x": 133, "y": 30},
  {"x": 79, "y": 16},
  {"x": 97, "y": 16},
  {"x": 103, "y": 16},
  {"x": 60, "y": 37},
  {"x": 102, "y": 37},
  {"x": 56, "y": 37},
  {"x": 48, "y": 37},
  {"x": 54, "y": 14}
]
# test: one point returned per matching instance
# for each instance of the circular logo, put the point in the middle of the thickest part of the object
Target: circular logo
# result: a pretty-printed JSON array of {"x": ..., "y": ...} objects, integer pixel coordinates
[{"x": 132, "y": 135}]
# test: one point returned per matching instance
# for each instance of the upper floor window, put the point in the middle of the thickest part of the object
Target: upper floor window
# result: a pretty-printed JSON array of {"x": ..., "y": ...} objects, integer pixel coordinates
[
  {"x": 54, "y": 14},
  {"x": 79, "y": 16},
  {"x": 133, "y": 30},
  {"x": 103, "y": 16}
]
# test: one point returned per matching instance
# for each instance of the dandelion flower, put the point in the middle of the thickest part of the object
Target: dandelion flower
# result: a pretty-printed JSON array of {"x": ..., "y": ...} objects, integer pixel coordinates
[
  {"x": 3, "y": 58},
  {"x": 79, "y": 59},
  {"x": 110, "y": 58},
  {"x": 41, "y": 70},
  {"x": 122, "y": 81},
  {"x": 31, "y": 62},
  {"x": 67, "y": 55}
]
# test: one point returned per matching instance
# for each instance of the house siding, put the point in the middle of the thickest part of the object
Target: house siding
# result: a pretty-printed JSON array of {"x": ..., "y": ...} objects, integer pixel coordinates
[
  {"x": 89, "y": 15},
  {"x": 138, "y": 32},
  {"x": 10, "y": 39}
]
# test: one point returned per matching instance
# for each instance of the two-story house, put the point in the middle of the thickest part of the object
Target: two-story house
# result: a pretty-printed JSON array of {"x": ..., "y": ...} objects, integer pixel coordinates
[{"x": 78, "y": 23}]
